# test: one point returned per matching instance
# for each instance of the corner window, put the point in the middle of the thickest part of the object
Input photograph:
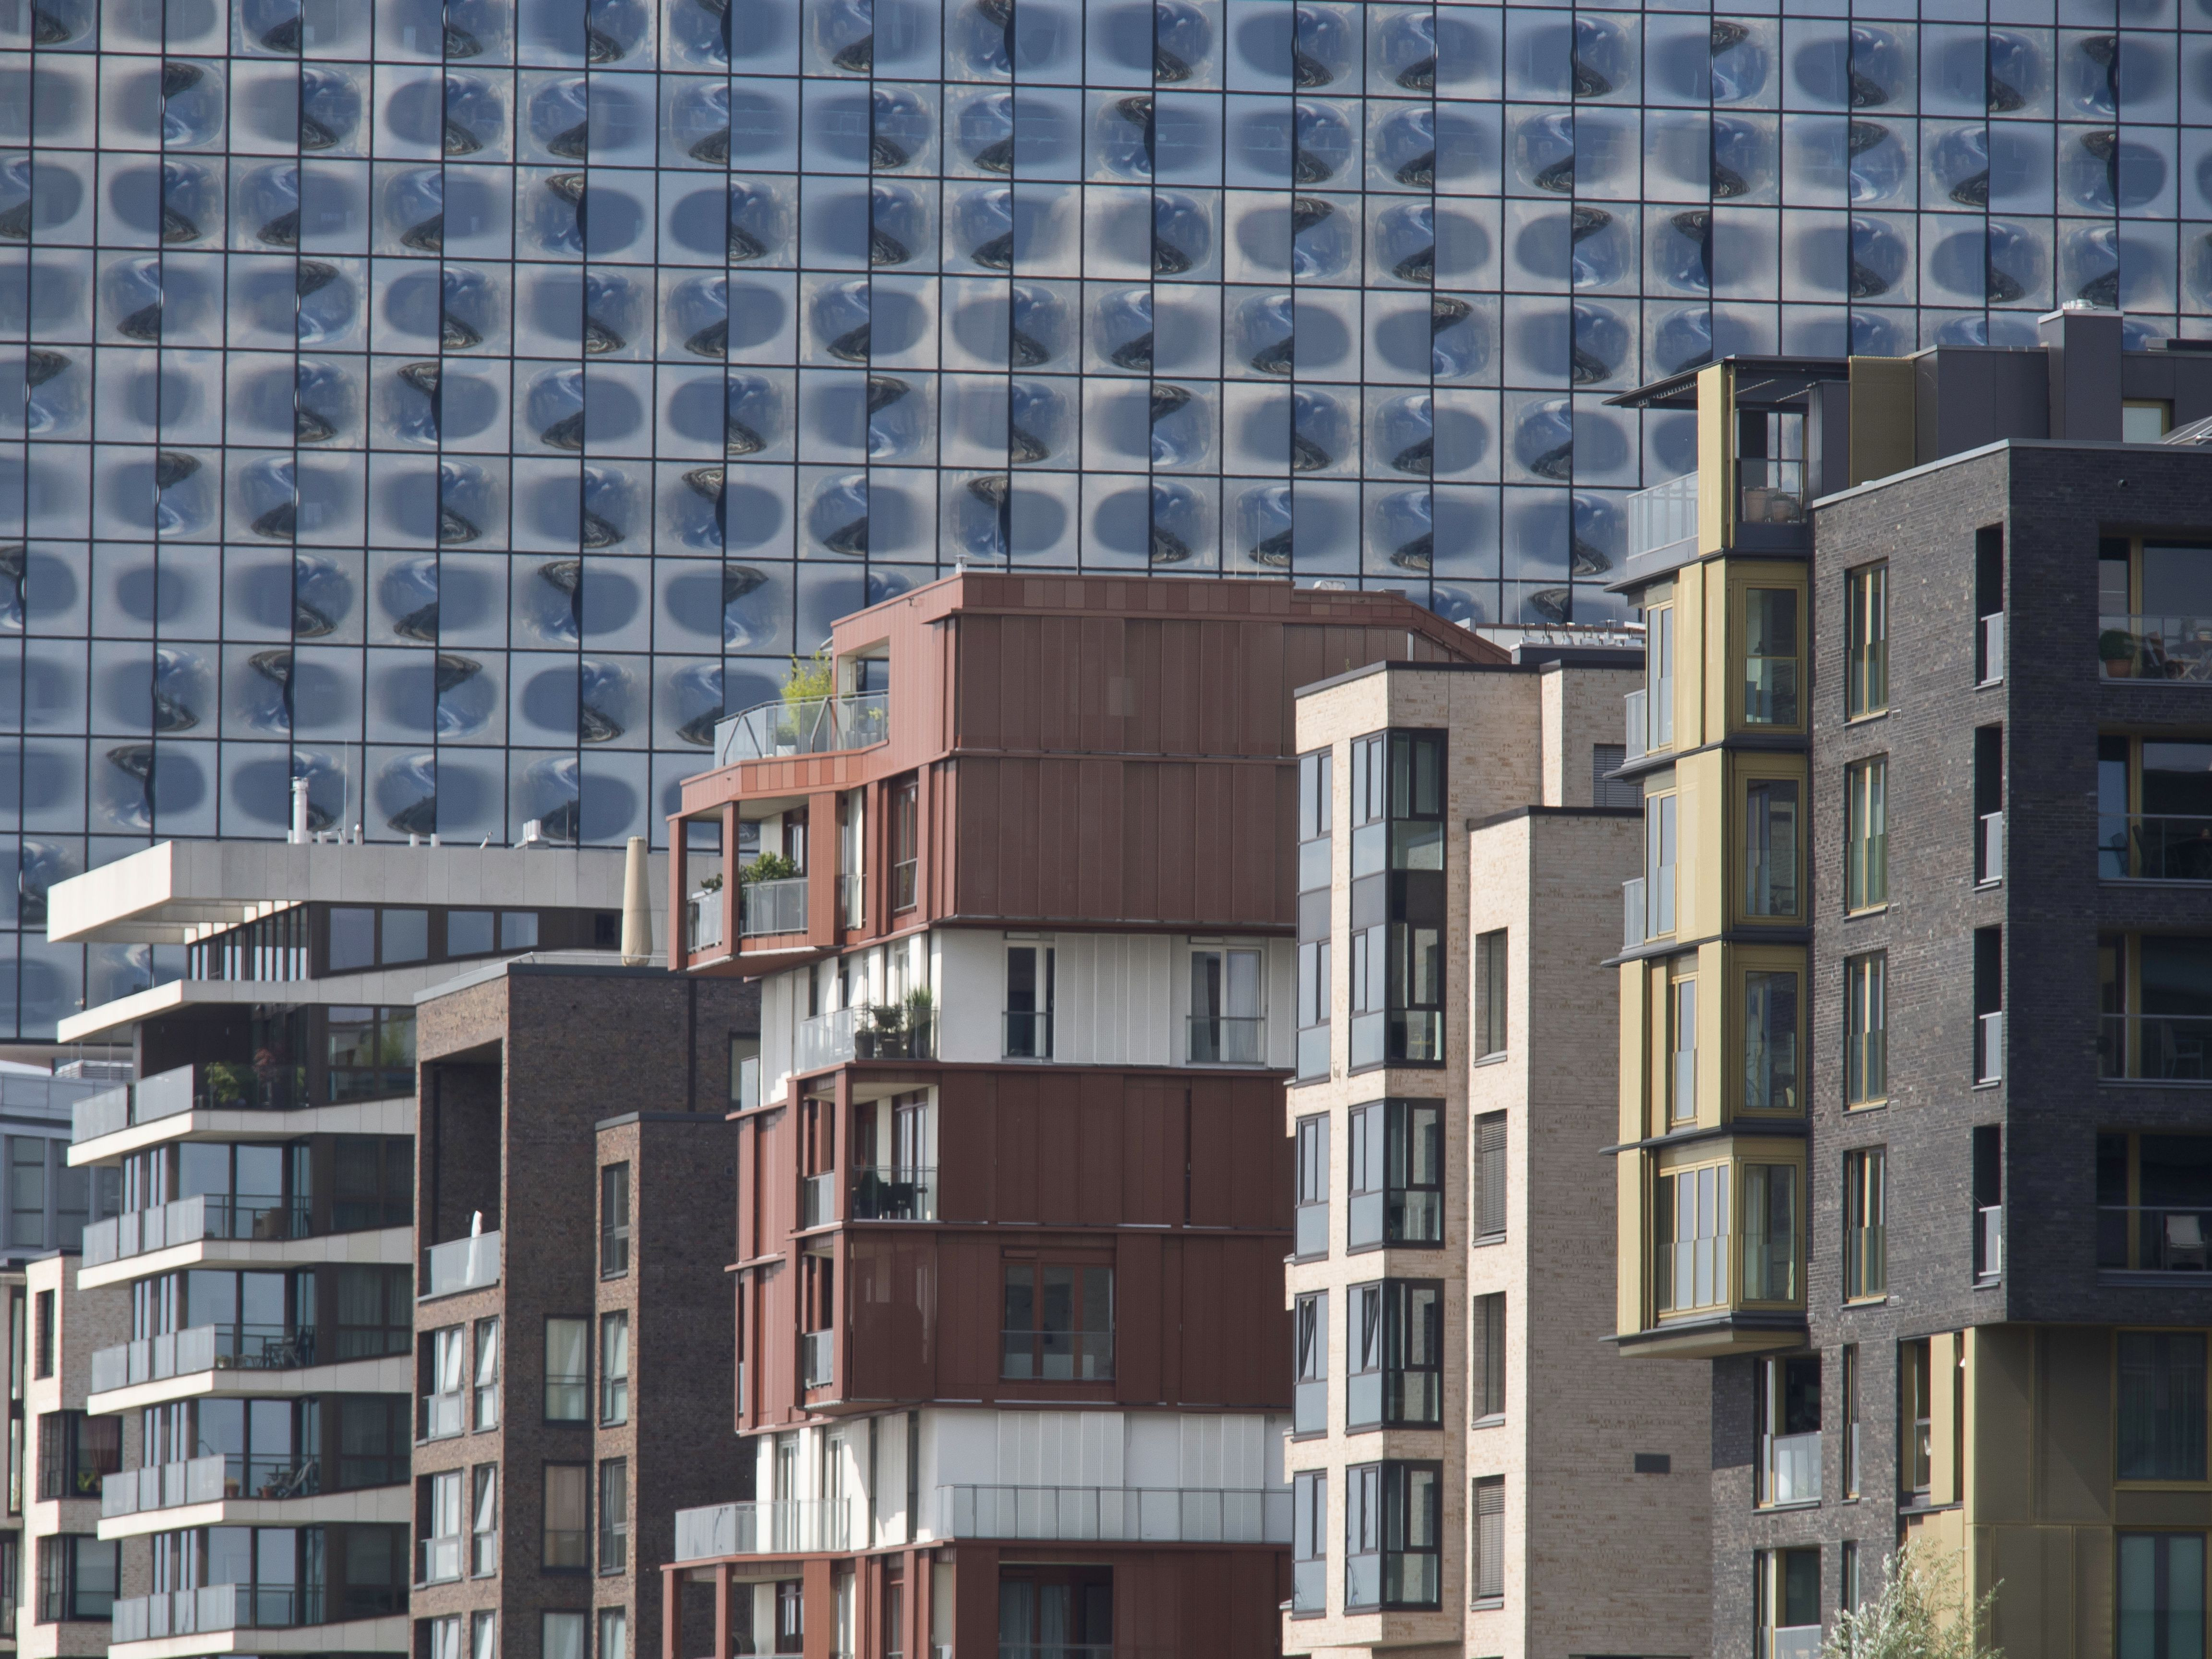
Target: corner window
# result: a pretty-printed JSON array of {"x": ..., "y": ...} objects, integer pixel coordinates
[
  {"x": 1770, "y": 656},
  {"x": 1659, "y": 676},
  {"x": 1866, "y": 1030},
  {"x": 1397, "y": 851},
  {"x": 1312, "y": 1239},
  {"x": 1310, "y": 1328},
  {"x": 1314, "y": 996},
  {"x": 1393, "y": 1535},
  {"x": 1396, "y": 1178},
  {"x": 1659, "y": 859},
  {"x": 1866, "y": 658},
  {"x": 1866, "y": 835},
  {"x": 1059, "y": 1322},
  {"x": 1770, "y": 1042},
  {"x": 1770, "y": 1232},
  {"x": 78, "y": 1578},
  {"x": 1315, "y": 797},
  {"x": 1691, "y": 1221},
  {"x": 1308, "y": 1543},
  {"x": 1682, "y": 1047},
  {"x": 1396, "y": 1344},
  {"x": 1770, "y": 827}
]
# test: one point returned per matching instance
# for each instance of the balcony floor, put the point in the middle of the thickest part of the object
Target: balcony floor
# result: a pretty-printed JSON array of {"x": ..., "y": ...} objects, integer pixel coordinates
[
  {"x": 389, "y": 1634},
  {"x": 391, "y": 1505}
]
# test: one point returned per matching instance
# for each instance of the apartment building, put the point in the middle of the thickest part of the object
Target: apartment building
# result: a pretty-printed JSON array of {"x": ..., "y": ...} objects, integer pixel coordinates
[
  {"x": 1465, "y": 1445},
  {"x": 1013, "y": 1196},
  {"x": 1912, "y": 1101},
  {"x": 574, "y": 1346},
  {"x": 256, "y": 1389}
]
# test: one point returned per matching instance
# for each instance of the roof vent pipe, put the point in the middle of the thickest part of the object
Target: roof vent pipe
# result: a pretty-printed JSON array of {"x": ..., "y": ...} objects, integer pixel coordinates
[
  {"x": 637, "y": 913},
  {"x": 299, "y": 837}
]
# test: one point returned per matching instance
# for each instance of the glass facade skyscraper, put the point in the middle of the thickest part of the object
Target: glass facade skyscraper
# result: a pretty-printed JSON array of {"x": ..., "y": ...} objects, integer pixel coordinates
[{"x": 461, "y": 406}]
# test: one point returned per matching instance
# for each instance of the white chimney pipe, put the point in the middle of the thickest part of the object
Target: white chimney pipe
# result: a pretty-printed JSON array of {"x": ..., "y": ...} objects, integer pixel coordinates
[
  {"x": 637, "y": 909},
  {"x": 299, "y": 813}
]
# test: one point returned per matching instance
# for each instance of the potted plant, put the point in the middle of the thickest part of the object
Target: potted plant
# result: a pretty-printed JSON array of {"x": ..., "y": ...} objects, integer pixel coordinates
[
  {"x": 889, "y": 1020},
  {"x": 811, "y": 680},
  {"x": 921, "y": 1015},
  {"x": 2117, "y": 649}
]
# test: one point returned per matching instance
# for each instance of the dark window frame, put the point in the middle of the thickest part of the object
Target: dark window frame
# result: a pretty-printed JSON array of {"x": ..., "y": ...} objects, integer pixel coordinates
[
  {"x": 1380, "y": 1502},
  {"x": 1385, "y": 1207}
]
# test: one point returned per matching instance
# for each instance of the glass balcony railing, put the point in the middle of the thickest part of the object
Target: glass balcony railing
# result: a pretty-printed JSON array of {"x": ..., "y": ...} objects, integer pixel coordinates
[
  {"x": 1028, "y": 1035},
  {"x": 1989, "y": 848},
  {"x": 1227, "y": 1039},
  {"x": 804, "y": 726},
  {"x": 1769, "y": 492},
  {"x": 1989, "y": 1242},
  {"x": 1990, "y": 652},
  {"x": 1794, "y": 1642},
  {"x": 1636, "y": 728},
  {"x": 887, "y": 1192},
  {"x": 1057, "y": 1356},
  {"x": 787, "y": 1527},
  {"x": 817, "y": 1199},
  {"x": 2156, "y": 1047},
  {"x": 445, "y": 1415},
  {"x": 211, "y": 1086},
  {"x": 1790, "y": 1467},
  {"x": 192, "y": 1220},
  {"x": 1631, "y": 912},
  {"x": 201, "y": 1348},
  {"x": 2154, "y": 1238},
  {"x": 702, "y": 919},
  {"x": 1116, "y": 1514},
  {"x": 2138, "y": 647},
  {"x": 1309, "y": 1587},
  {"x": 772, "y": 907},
  {"x": 1663, "y": 517},
  {"x": 852, "y": 901},
  {"x": 1310, "y": 1406},
  {"x": 749, "y": 1081},
  {"x": 438, "y": 1560},
  {"x": 462, "y": 1264},
  {"x": 1312, "y": 1236},
  {"x": 2154, "y": 847},
  {"x": 1989, "y": 1047},
  {"x": 817, "y": 1358},
  {"x": 211, "y": 1479},
  {"x": 826, "y": 1040}
]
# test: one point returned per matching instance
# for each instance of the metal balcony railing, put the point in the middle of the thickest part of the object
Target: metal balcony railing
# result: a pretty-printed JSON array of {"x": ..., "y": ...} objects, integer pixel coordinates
[
  {"x": 887, "y": 1192},
  {"x": 1116, "y": 1514},
  {"x": 772, "y": 907},
  {"x": 1227, "y": 1039},
  {"x": 1028, "y": 1035},
  {"x": 805, "y": 725},
  {"x": 785, "y": 1527},
  {"x": 826, "y": 1040},
  {"x": 702, "y": 919},
  {"x": 2154, "y": 1238},
  {"x": 1663, "y": 517},
  {"x": 461, "y": 1264}
]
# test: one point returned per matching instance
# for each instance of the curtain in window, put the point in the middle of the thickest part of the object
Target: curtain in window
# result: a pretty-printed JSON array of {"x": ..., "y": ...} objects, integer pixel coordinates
[{"x": 2161, "y": 1431}]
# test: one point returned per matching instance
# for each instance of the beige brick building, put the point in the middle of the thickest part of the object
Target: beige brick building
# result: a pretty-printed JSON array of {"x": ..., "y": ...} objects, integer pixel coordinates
[{"x": 1469, "y": 1448}]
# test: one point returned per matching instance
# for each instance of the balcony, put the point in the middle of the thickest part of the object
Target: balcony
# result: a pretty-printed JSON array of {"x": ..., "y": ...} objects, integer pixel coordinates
[
  {"x": 2146, "y": 1238},
  {"x": 817, "y": 1199},
  {"x": 702, "y": 919},
  {"x": 1635, "y": 725},
  {"x": 1989, "y": 1047},
  {"x": 894, "y": 1030},
  {"x": 215, "y": 1608},
  {"x": 2152, "y": 847},
  {"x": 1989, "y": 850},
  {"x": 211, "y": 1086},
  {"x": 201, "y": 1348},
  {"x": 1058, "y": 1356},
  {"x": 826, "y": 1040},
  {"x": 1116, "y": 1514},
  {"x": 191, "y": 1220},
  {"x": 462, "y": 1264},
  {"x": 817, "y": 1358},
  {"x": 1027, "y": 1035},
  {"x": 803, "y": 725},
  {"x": 209, "y": 1479},
  {"x": 1770, "y": 492},
  {"x": 2134, "y": 647},
  {"x": 787, "y": 1527},
  {"x": 2154, "y": 1048},
  {"x": 1790, "y": 1469},
  {"x": 772, "y": 907},
  {"x": 1662, "y": 520},
  {"x": 886, "y": 1192},
  {"x": 1631, "y": 913},
  {"x": 1227, "y": 1040}
]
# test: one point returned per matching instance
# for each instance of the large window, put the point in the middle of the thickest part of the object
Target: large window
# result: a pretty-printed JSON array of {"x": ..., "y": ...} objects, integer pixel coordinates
[
  {"x": 26, "y": 1191},
  {"x": 1770, "y": 1042},
  {"x": 438, "y": 1522},
  {"x": 78, "y": 1577},
  {"x": 614, "y": 1220},
  {"x": 1659, "y": 859},
  {"x": 1485, "y": 1371},
  {"x": 906, "y": 843},
  {"x": 1310, "y": 1543},
  {"x": 1770, "y": 656},
  {"x": 1028, "y": 1001},
  {"x": 2163, "y": 1405},
  {"x": 567, "y": 1516},
  {"x": 614, "y": 1368},
  {"x": 1395, "y": 1340},
  {"x": 614, "y": 1515},
  {"x": 1866, "y": 1030},
  {"x": 1060, "y": 1322},
  {"x": 1309, "y": 1334},
  {"x": 2162, "y": 1595},
  {"x": 1691, "y": 1224},
  {"x": 1396, "y": 1177},
  {"x": 1770, "y": 1232},
  {"x": 1489, "y": 986},
  {"x": 2155, "y": 1002},
  {"x": 1659, "y": 676},
  {"x": 1313, "y": 1188},
  {"x": 77, "y": 1452},
  {"x": 1228, "y": 1007},
  {"x": 1866, "y": 667},
  {"x": 1866, "y": 1227},
  {"x": 568, "y": 1370},
  {"x": 1770, "y": 847},
  {"x": 1786, "y": 1601},
  {"x": 563, "y": 1635},
  {"x": 372, "y": 1185},
  {"x": 1316, "y": 805},
  {"x": 1866, "y": 835},
  {"x": 1398, "y": 899},
  {"x": 1486, "y": 1553},
  {"x": 371, "y": 1053},
  {"x": 1682, "y": 1044},
  {"x": 1786, "y": 1428},
  {"x": 1393, "y": 1533}
]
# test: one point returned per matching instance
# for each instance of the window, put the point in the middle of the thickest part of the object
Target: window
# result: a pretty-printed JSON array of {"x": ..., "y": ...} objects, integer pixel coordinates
[
  {"x": 1866, "y": 835},
  {"x": 2162, "y": 1404},
  {"x": 441, "y": 1400},
  {"x": 1310, "y": 1328},
  {"x": 567, "y": 1504},
  {"x": 1227, "y": 1008},
  {"x": 906, "y": 843},
  {"x": 1786, "y": 1428},
  {"x": 43, "y": 1366},
  {"x": 372, "y": 1185},
  {"x": 614, "y": 1368},
  {"x": 1314, "y": 995},
  {"x": 26, "y": 1191},
  {"x": 568, "y": 1370},
  {"x": 1487, "y": 1588},
  {"x": 1486, "y": 1367},
  {"x": 1398, "y": 959},
  {"x": 614, "y": 1634},
  {"x": 440, "y": 1637},
  {"x": 1915, "y": 1392},
  {"x": 1682, "y": 1047},
  {"x": 518, "y": 930},
  {"x": 439, "y": 1524},
  {"x": 1659, "y": 675},
  {"x": 1393, "y": 1531},
  {"x": 1851, "y": 1418},
  {"x": 1770, "y": 847},
  {"x": 1060, "y": 1322},
  {"x": 77, "y": 1452},
  {"x": 2161, "y": 1595},
  {"x": 614, "y": 1515},
  {"x": 2145, "y": 420},
  {"x": 1314, "y": 806},
  {"x": 1313, "y": 1188},
  {"x": 1989, "y": 1006},
  {"x": 1786, "y": 1597},
  {"x": 1658, "y": 865},
  {"x": 1396, "y": 1177},
  {"x": 1619, "y": 794},
  {"x": 1866, "y": 1203},
  {"x": 1770, "y": 1232},
  {"x": 1866, "y": 1031},
  {"x": 1310, "y": 1543},
  {"x": 1395, "y": 1342},
  {"x": 1770, "y": 1042},
  {"x": 1490, "y": 993},
  {"x": 1489, "y": 1194},
  {"x": 352, "y": 937},
  {"x": 487, "y": 1382},
  {"x": 371, "y": 1053},
  {"x": 1770, "y": 656},
  {"x": 563, "y": 1636},
  {"x": 1691, "y": 1222},
  {"x": 1866, "y": 669},
  {"x": 1028, "y": 1001},
  {"x": 1850, "y": 1591},
  {"x": 483, "y": 1526},
  {"x": 483, "y": 1635},
  {"x": 77, "y": 1578},
  {"x": 468, "y": 933},
  {"x": 613, "y": 1221}
]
